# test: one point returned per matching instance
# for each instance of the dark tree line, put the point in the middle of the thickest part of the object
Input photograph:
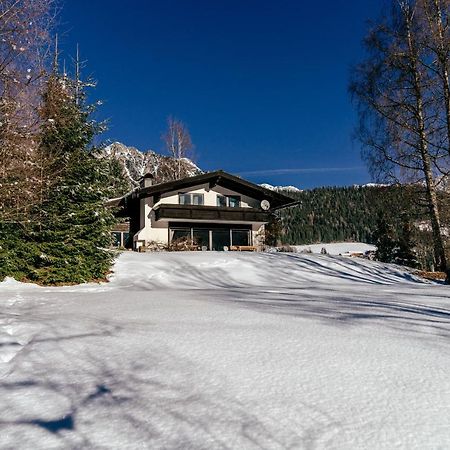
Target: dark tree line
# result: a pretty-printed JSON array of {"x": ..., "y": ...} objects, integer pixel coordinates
[{"x": 361, "y": 214}]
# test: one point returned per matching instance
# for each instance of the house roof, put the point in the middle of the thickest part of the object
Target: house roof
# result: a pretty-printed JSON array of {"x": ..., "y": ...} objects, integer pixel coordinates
[{"x": 220, "y": 178}]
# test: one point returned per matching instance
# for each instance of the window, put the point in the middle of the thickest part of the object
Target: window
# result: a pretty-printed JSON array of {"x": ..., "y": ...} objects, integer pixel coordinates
[
  {"x": 234, "y": 201},
  {"x": 197, "y": 199},
  {"x": 221, "y": 201},
  {"x": 122, "y": 239},
  {"x": 220, "y": 239},
  {"x": 184, "y": 199},
  {"x": 180, "y": 235},
  {"x": 240, "y": 237},
  {"x": 231, "y": 201},
  {"x": 201, "y": 238},
  {"x": 190, "y": 199},
  {"x": 127, "y": 240},
  {"x": 116, "y": 239}
]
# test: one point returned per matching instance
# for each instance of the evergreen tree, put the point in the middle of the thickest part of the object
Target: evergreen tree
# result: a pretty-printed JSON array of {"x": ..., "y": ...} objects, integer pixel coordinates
[
  {"x": 273, "y": 231},
  {"x": 405, "y": 253},
  {"x": 73, "y": 227},
  {"x": 385, "y": 241}
]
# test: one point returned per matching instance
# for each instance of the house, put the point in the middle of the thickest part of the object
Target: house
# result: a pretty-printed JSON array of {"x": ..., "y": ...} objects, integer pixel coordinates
[{"x": 212, "y": 211}]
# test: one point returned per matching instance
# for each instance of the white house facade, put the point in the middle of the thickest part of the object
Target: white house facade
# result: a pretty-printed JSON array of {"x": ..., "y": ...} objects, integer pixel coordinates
[{"x": 213, "y": 211}]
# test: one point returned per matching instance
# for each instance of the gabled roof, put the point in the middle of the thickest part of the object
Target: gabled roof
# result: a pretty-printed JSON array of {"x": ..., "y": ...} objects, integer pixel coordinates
[{"x": 220, "y": 178}]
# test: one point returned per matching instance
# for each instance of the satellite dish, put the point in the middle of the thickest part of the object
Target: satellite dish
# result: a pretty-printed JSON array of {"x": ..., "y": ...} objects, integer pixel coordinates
[{"x": 265, "y": 205}]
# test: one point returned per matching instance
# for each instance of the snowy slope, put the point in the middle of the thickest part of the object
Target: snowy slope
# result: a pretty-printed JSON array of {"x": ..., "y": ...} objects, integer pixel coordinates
[
  {"x": 224, "y": 350},
  {"x": 336, "y": 248}
]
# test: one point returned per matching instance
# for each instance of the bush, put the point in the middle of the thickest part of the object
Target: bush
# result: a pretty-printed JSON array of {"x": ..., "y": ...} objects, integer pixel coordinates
[
  {"x": 155, "y": 246},
  {"x": 18, "y": 256},
  {"x": 183, "y": 245},
  {"x": 286, "y": 249}
]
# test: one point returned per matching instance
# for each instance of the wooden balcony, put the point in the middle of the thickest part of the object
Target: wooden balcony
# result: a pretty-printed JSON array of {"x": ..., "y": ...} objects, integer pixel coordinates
[{"x": 209, "y": 213}]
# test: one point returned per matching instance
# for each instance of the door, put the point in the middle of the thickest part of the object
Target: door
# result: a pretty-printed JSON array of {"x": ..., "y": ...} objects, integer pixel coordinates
[{"x": 220, "y": 239}]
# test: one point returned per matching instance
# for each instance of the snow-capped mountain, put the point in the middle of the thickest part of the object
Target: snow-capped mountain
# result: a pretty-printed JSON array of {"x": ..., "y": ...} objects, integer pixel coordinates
[
  {"x": 373, "y": 185},
  {"x": 280, "y": 188},
  {"x": 136, "y": 163}
]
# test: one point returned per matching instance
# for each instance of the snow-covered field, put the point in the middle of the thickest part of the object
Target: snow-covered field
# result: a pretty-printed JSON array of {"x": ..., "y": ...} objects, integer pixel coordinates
[
  {"x": 337, "y": 248},
  {"x": 226, "y": 350}
]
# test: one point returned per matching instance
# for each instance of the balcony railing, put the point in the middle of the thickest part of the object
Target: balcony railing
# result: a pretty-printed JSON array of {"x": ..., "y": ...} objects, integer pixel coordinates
[{"x": 198, "y": 212}]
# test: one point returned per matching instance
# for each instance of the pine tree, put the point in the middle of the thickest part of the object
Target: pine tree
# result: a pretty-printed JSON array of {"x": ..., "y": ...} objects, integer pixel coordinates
[
  {"x": 405, "y": 253},
  {"x": 384, "y": 240},
  {"x": 73, "y": 227},
  {"x": 273, "y": 231}
]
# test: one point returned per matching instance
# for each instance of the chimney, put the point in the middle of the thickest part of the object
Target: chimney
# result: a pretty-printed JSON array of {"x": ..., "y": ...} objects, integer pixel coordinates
[{"x": 146, "y": 180}]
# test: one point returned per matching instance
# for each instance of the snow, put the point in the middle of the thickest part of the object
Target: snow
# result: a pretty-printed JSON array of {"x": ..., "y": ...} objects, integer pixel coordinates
[
  {"x": 280, "y": 188},
  {"x": 336, "y": 248},
  {"x": 373, "y": 185},
  {"x": 227, "y": 350}
]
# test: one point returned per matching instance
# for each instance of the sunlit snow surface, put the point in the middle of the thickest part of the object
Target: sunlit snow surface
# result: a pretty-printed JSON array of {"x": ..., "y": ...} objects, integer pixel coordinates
[{"x": 227, "y": 350}]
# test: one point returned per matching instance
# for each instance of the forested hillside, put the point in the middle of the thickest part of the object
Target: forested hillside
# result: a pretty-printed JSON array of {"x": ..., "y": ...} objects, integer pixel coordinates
[{"x": 345, "y": 213}]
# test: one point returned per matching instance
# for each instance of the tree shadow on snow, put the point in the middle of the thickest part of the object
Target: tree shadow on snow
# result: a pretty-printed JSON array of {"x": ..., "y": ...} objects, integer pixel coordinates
[
  {"x": 99, "y": 393},
  {"x": 265, "y": 269},
  {"x": 408, "y": 310}
]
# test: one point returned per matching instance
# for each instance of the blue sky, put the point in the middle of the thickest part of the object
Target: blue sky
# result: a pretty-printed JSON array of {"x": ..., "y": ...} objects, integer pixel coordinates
[{"x": 261, "y": 85}]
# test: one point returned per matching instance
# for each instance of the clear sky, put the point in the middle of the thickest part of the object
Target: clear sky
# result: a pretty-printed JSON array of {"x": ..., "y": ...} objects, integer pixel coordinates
[{"x": 261, "y": 85}]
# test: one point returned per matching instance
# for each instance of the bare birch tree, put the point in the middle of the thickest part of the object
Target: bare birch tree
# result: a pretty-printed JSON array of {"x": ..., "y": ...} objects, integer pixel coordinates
[
  {"x": 178, "y": 145},
  {"x": 399, "y": 121},
  {"x": 435, "y": 27},
  {"x": 434, "y": 16},
  {"x": 24, "y": 46}
]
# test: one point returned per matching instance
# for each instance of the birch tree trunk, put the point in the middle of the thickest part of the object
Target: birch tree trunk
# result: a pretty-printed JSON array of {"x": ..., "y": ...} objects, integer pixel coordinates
[{"x": 438, "y": 240}]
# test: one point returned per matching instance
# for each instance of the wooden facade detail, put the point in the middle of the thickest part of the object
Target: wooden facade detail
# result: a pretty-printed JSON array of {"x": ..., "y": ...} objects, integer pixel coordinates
[{"x": 197, "y": 212}]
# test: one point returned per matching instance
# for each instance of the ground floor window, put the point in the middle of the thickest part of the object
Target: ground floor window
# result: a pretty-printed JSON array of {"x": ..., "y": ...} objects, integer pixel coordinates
[
  {"x": 240, "y": 237},
  {"x": 216, "y": 237},
  {"x": 200, "y": 237},
  {"x": 121, "y": 239},
  {"x": 220, "y": 239},
  {"x": 116, "y": 238},
  {"x": 178, "y": 234}
]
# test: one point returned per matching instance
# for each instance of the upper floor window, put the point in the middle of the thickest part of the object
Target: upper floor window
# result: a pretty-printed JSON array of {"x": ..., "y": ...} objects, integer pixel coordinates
[
  {"x": 197, "y": 199},
  {"x": 221, "y": 200},
  {"x": 231, "y": 201},
  {"x": 190, "y": 199},
  {"x": 234, "y": 201}
]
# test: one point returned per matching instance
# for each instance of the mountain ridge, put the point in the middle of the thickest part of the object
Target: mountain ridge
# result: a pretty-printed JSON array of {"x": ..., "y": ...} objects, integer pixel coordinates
[{"x": 136, "y": 163}]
